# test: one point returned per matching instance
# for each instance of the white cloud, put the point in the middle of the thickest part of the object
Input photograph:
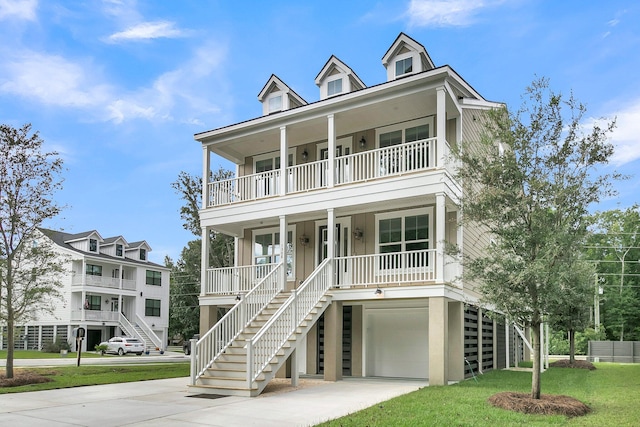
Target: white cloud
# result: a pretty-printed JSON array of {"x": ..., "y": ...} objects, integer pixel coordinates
[
  {"x": 51, "y": 80},
  {"x": 626, "y": 135},
  {"x": 18, "y": 9},
  {"x": 148, "y": 30},
  {"x": 445, "y": 13}
]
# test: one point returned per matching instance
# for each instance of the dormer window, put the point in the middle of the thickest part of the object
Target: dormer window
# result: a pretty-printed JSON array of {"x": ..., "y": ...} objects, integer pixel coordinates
[
  {"x": 404, "y": 66},
  {"x": 93, "y": 245},
  {"x": 334, "y": 87},
  {"x": 118, "y": 250},
  {"x": 143, "y": 254},
  {"x": 275, "y": 103}
]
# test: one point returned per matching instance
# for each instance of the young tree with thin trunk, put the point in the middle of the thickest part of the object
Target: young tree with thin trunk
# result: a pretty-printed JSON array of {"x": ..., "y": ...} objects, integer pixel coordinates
[
  {"x": 527, "y": 185},
  {"x": 29, "y": 269}
]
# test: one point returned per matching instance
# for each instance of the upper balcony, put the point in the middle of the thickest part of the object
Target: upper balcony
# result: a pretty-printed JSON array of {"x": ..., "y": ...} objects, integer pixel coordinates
[
  {"x": 310, "y": 157},
  {"x": 392, "y": 161}
]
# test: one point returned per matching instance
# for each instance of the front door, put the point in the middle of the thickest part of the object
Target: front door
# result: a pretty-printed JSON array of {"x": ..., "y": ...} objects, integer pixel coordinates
[
  {"x": 343, "y": 148},
  {"x": 341, "y": 248}
]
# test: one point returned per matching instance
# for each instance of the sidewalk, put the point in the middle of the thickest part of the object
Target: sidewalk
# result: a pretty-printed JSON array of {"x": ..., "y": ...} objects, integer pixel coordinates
[{"x": 167, "y": 403}]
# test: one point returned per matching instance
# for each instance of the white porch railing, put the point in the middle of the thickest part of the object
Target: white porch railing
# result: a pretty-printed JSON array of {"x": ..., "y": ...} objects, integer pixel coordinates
[
  {"x": 274, "y": 334},
  {"x": 235, "y": 280},
  {"x": 217, "y": 339},
  {"x": 95, "y": 315},
  {"x": 90, "y": 280},
  {"x": 248, "y": 187},
  {"x": 307, "y": 176},
  {"x": 385, "y": 269},
  {"x": 382, "y": 162}
]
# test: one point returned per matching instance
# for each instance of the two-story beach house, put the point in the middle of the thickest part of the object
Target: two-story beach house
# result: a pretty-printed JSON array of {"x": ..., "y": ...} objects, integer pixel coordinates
[
  {"x": 341, "y": 210},
  {"x": 110, "y": 288}
]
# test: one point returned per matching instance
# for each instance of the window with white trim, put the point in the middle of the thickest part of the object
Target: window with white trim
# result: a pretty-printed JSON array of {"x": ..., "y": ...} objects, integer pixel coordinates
[
  {"x": 275, "y": 103},
  {"x": 334, "y": 87},
  {"x": 406, "y": 234},
  {"x": 93, "y": 245},
  {"x": 267, "y": 249},
  {"x": 400, "y": 158},
  {"x": 404, "y": 66}
]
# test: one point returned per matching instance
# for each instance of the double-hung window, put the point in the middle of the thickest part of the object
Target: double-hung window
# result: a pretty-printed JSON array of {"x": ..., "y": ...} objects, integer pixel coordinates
[
  {"x": 93, "y": 270},
  {"x": 152, "y": 307},
  {"x": 404, "y": 66},
  {"x": 334, "y": 87},
  {"x": 154, "y": 278},
  {"x": 275, "y": 103},
  {"x": 404, "y": 238},
  {"x": 268, "y": 250},
  {"x": 119, "y": 248}
]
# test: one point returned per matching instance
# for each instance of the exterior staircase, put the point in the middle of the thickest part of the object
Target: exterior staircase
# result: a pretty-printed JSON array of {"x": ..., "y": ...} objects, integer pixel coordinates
[
  {"x": 145, "y": 334},
  {"x": 243, "y": 364}
]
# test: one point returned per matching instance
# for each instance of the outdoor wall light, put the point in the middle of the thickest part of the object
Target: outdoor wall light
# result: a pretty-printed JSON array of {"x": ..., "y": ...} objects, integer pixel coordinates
[
  {"x": 304, "y": 240},
  {"x": 378, "y": 293},
  {"x": 363, "y": 142},
  {"x": 358, "y": 234},
  {"x": 238, "y": 298},
  {"x": 305, "y": 154}
]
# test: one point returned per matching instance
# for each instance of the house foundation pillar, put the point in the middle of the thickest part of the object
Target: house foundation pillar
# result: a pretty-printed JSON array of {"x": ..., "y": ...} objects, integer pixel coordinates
[
  {"x": 456, "y": 341},
  {"x": 333, "y": 342},
  {"x": 438, "y": 341},
  {"x": 208, "y": 318}
]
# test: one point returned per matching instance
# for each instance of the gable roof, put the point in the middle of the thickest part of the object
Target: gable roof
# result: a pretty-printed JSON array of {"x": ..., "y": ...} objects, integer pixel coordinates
[
  {"x": 275, "y": 82},
  {"x": 403, "y": 41},
  {"x": 113, "y": 240},
  {"x": 82, "y": 236},
  {"x": 335, "y": 63},
  {"x": 61, "y": 239}
]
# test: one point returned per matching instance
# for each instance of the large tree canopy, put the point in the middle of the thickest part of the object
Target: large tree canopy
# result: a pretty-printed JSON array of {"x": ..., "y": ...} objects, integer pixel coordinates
[
  {"x": 29, "y": 177},
  {"x": 527, "y": 185}
]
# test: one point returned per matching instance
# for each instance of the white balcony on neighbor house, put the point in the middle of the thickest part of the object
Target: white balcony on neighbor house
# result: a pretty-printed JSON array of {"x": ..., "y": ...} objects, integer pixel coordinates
[
  {"x": 103, "y": 281},
  {"x": 396, "y": 160},
  {"x": 95, "y": 315},
  {"x": 411, "y": 268}
]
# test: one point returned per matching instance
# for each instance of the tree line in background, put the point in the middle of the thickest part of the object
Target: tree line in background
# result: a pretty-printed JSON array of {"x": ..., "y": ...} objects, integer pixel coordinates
[{"x": 184, "y": 311}]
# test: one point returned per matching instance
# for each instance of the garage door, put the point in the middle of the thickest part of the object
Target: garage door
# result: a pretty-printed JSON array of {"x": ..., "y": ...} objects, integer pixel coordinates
[{"x": 397, "y": 343}]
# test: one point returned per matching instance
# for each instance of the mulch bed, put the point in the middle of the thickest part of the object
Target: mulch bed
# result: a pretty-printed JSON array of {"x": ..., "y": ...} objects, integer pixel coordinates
[
  {"x": 22, "y": 378},
  {"x": 548, "y": 404},
  {"x": 577, "y": 364}
]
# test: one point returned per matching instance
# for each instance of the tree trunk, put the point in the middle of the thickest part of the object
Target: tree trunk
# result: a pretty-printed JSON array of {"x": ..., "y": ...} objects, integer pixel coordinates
[
  {"x": 572, "y": 346},
  {"x": 11, "y": 338},
  {"x": 535, "y": 377}
]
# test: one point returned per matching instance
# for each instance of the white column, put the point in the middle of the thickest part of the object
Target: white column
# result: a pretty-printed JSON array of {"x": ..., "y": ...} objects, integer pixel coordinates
[
  {"x": 331, "y": 239},
  {"x": 283, "y": 250},
  {"x": 331, "y": 145},
  {"x": 506, "y": 347},
  {"x": 441, "y": 125},
  {"x": 284, "y": 160},
  {"x": 440, "y": 229},
  {"x": 206, "y": 170},
  {"x": 204, "y": 263}
]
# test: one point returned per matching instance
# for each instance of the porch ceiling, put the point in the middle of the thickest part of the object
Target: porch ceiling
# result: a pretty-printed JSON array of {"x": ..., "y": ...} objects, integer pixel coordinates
[{"x": 353, "y": 112}]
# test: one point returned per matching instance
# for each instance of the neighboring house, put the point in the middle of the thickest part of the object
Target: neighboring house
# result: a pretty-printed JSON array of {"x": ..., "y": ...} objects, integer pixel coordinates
[
  {"x": 110, "y": 289},
  {"x": 340, "y": 265}
]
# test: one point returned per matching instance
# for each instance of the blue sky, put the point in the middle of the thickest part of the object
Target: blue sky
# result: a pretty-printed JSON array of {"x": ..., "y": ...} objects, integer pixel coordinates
[{"x": 119, "y": 87}]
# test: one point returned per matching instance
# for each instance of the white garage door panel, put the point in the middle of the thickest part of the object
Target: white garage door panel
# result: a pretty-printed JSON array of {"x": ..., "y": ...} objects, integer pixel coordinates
[{"x": 397, "y": 343}]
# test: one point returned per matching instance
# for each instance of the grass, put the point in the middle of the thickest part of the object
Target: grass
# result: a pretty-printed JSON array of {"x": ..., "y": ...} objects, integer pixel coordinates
[
  {"x": 35, "y": 354},
  {"x": 74, "y": 376},
  {"x": 612, "y": 391}
]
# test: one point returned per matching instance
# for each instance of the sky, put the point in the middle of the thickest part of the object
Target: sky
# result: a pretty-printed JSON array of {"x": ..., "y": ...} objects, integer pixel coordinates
[{"x": 119, "y": 87}]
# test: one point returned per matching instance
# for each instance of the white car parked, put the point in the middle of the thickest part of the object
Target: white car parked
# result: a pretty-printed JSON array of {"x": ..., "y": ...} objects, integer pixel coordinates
[{"x": 124, "y": 345}]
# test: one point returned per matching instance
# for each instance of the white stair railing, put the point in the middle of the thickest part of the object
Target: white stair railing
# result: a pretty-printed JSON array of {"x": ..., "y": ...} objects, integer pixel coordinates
[
  {"x": 157, "y": 342},
  {"x": 221, "y": 335},
  {"x": 274, "y": 334},
  {"x": 129, "y": 328}
]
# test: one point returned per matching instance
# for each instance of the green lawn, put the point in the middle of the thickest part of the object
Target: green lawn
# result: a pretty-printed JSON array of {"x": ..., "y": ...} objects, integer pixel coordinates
[
  {"x": 35, "y": 354},
  {"x": 612, "y": 391},
  {"x": 74, "y": 376}
]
